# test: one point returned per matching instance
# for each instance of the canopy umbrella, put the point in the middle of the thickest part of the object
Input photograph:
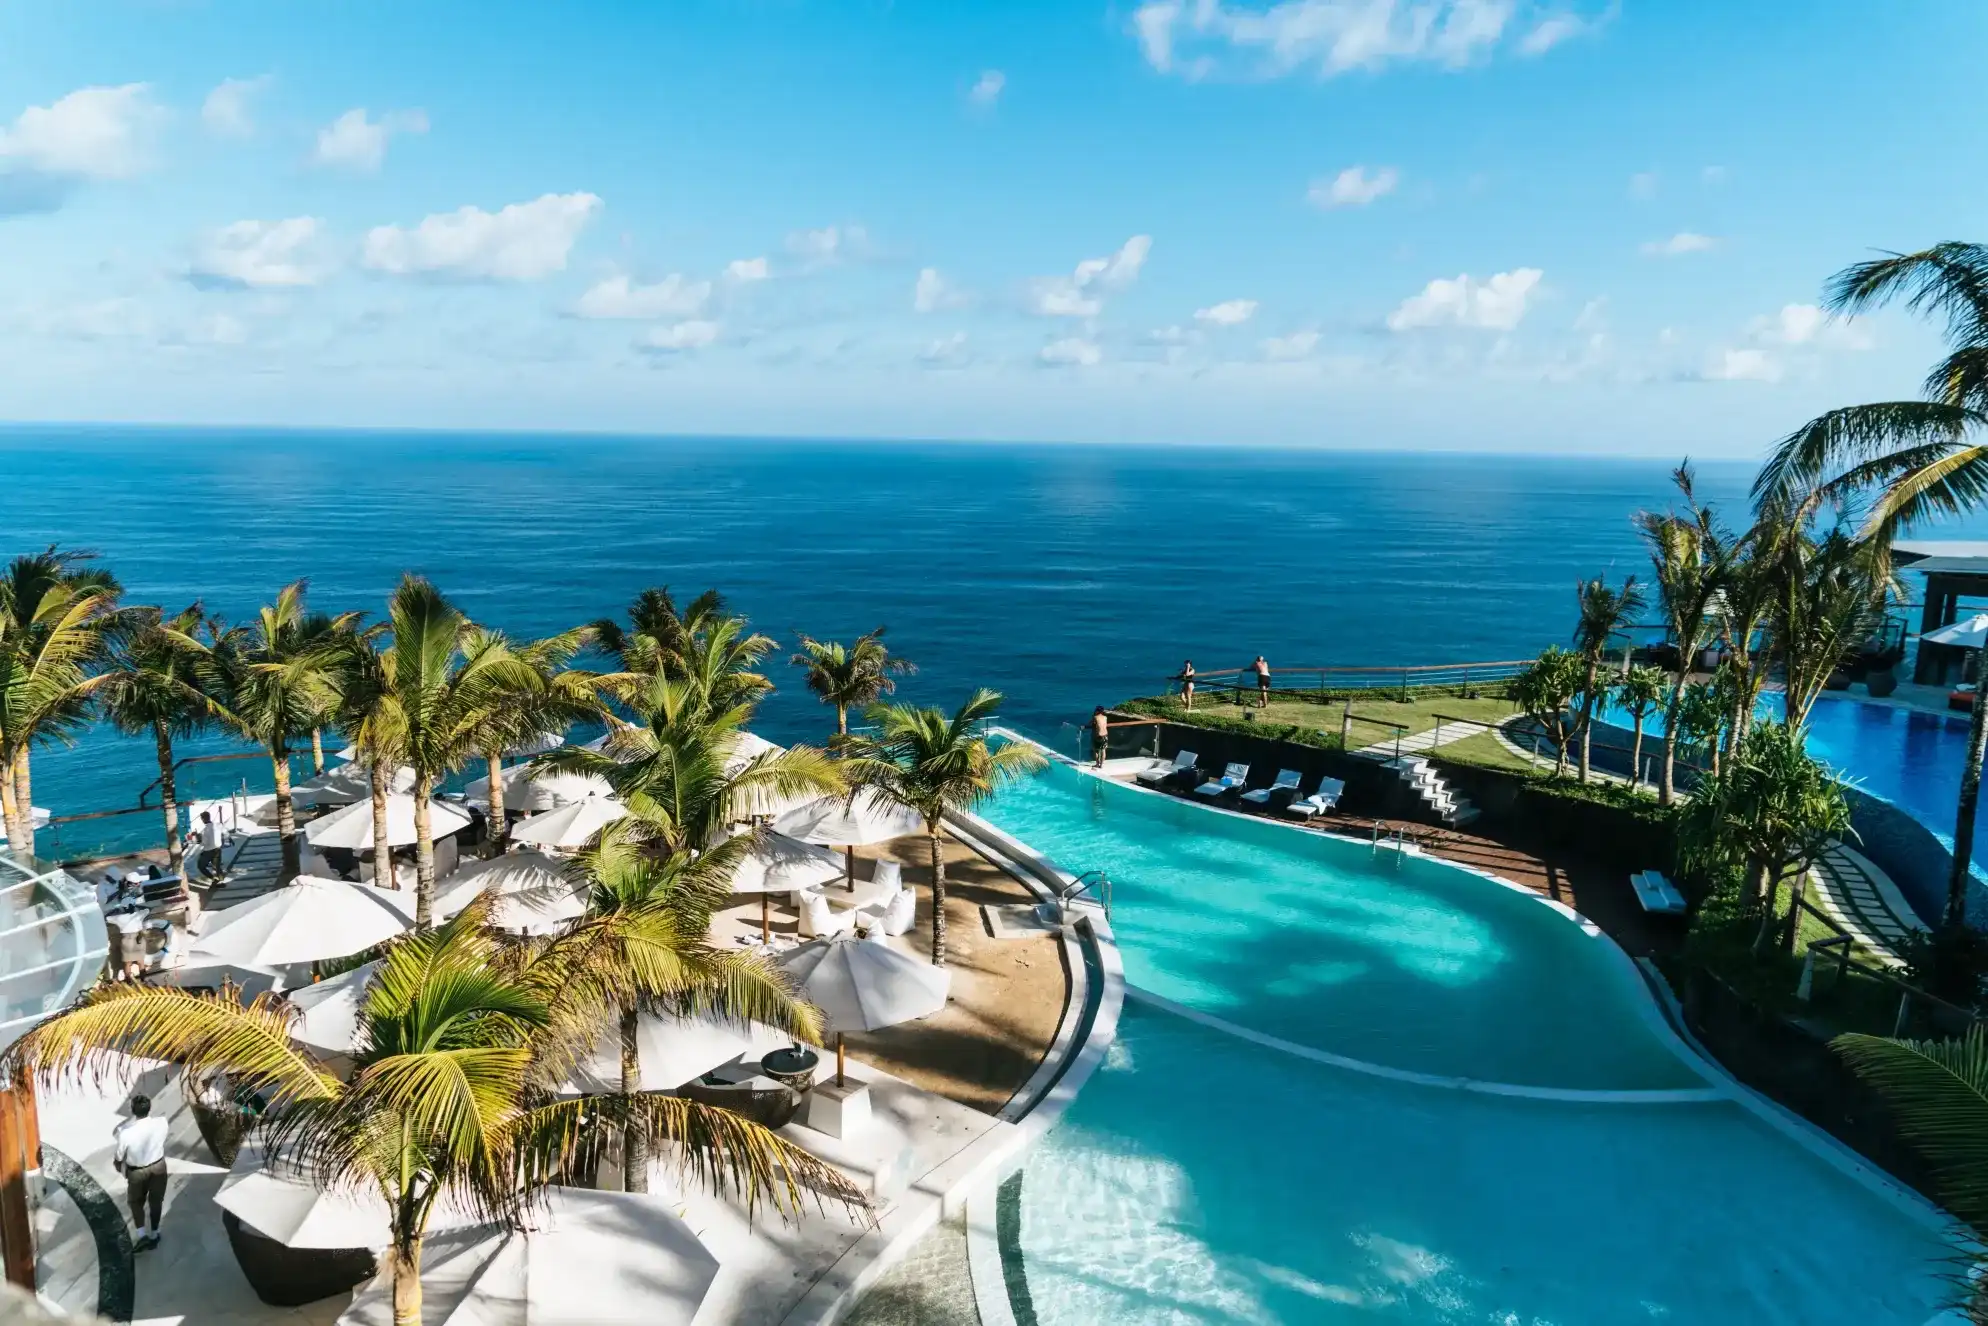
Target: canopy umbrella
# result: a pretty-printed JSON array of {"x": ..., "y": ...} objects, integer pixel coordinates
[
  {"x": 546, "y": 790},
  {"x": 307, "y": 920},
  {"x": 779, "y": 864},
  {"x": 673, "y": 1050},
  {"x": 198, "y": 971},
  {"x": 529, "y": 891},
  {"x": 570, "y": 827},
  {"x": 864, "y": 984},
  {"x": 352, "y": 827},
  {"x": 592, "y": 1259},
  {"x": 328, "y": 1018},
  {"x": 348, "y": 783},
  {"x": 1969, "y": 634},
  {"x": 286, "y": 1202},
  {"x": 850, "y": 823}
]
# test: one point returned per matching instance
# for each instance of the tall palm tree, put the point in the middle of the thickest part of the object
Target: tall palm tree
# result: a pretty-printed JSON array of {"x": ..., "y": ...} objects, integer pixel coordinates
[
  {"x": 275, "y": 677},
  {"x": 1686, "y": 552},
  {"x": 448, "y": 1102},
  {"x": 851, "y": 676},
  {"x": 155, "y": 685},
  {"x": 657, "y": 634},
  {"x": 1937, "y": 1092},
  {"x": 1831, "y": 594},
  {"x": 1749, "y": 577},
  {"x": 1641, "y": 691},
  {"x": 1604, "y": 612},
  {"x": 932, "y": 763},
  {"x": 54, "y": 609},
  {"x": 549, "y": 696},
  {"x": 1546, "y": 693}
]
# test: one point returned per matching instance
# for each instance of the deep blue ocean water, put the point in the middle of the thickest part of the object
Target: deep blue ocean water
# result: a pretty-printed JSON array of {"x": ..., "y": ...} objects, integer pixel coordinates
[{"x": 1063, "y": 576}]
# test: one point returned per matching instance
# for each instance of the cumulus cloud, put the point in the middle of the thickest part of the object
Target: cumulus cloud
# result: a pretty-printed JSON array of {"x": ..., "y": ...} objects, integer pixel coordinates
[
  {"x": 1081, "y": 294},
  {"x": 1353, "y": 187},
  {"x": 746, "y": 270},
  {"x": 1228, "y": 313},
  {"x": 521, "y": 242},
  {"x": 354, "y": 141},
  {"x": 1330, "y": 37},
  {"x": 258, "y": 255},
  {"x": 620, "y": 297},
  {"x": 829, "y": 245},
  {"x": 947, "y": 351},
  {"x": 1298, "y": 345},
  {"x": 1806, "y": 324},
  {"x": 933, "y": 292},
  {"x": 228, "y": 108},
  {"x": 93, "y": 133},
  {"x": 1495, "y": 304},
  {"x": 1683, "y": 242},
  {"x": 987, "y": 90},
  {"x": 1552, "y": 30},
  {"x": 1071, "y": 352},
  {"x": 678, "y": 337},
  {"x": 1748, "y": 365}
]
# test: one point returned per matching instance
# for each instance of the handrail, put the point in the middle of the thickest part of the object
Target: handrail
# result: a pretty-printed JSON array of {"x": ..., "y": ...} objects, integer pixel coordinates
[
  {"x": 1393, "y": 669},
  {"x": 1091, "y": 881},
  {"x": 198, "y": 759}
]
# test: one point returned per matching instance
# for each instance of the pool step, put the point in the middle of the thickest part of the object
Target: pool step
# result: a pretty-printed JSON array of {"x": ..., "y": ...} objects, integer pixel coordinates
[{"x": 1451, "y": 806}]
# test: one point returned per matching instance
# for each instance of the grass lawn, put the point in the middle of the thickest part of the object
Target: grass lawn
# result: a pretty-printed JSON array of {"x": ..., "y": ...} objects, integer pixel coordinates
[
  {"x": 1379, "y": 711},
  {"x": 1485, "y": 751}
]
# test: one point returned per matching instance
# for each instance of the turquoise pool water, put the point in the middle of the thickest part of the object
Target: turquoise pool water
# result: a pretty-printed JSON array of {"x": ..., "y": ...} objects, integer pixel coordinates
[{"x": 1203, "y": 1178}]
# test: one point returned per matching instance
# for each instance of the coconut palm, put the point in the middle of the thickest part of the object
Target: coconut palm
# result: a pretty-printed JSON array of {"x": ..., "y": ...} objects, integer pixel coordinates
[
  {"x": 1686, "y": 552},
  {"x": 1701, "y": 713},
  {"x": 154, "y": 685},
  {"x": 448, "y": 1101},
  {"x": 851, "y": 676},
  {"x": 1641, "y": 690},
  {"x": 655, "y": 638},
  {"x": 1937, "y": 1092},
  {"x": 1545, "y": 693},
  {"x": 1831, "y": 594},
  {"x": 1604, "y": 612},
  {"x": 274, "y": 677},
  {"x": 552, "y": 697},
  {"x": 932, "y": 763},
  {"x": 1749, "y": 577},
  {"x": 54, "y": 610}
]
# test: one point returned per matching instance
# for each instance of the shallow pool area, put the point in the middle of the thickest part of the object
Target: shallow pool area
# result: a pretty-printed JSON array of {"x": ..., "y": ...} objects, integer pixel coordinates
[{"x": 1202, "y": 1176}]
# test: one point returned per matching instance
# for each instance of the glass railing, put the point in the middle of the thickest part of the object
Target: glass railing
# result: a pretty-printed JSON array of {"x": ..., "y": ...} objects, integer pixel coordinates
[{"x": 52, "y": 941}]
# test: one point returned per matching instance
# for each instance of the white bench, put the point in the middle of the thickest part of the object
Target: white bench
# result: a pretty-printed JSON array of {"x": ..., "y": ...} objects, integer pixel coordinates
[{"x": 1655, "y": 893}]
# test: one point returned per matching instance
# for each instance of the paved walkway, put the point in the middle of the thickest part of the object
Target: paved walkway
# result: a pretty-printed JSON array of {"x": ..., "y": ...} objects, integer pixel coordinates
[
  {"x": 1441, "y": 735},
  {"x": 1862, "y": 899}
]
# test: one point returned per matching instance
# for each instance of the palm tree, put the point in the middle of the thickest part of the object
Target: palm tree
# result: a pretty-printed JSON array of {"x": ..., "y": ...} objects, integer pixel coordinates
[
  {"x": 1641, "y": 691},
  {"x": 931, "y": 763},
  {"x": 1937, "y": 1092},
  {"x": 1545, "y": 693},
  {"x": 275, "y": 677},
  {"x": 850, "y": 676},
  {"x": 54, "y": 609},
  {"x": 1831, "y": 594},
  {"x": 1604, "y": 612},
  {"x": 1699, "y": 714},
  {"x": 656, "y": 637},
  {"x": 550, "y": 696},
  {"x": 1749, "y": 578},
  {"x": 1686, "y": 552},
  {"x": 448, "y": 1101},
  {"x": 155, "y": 685}
]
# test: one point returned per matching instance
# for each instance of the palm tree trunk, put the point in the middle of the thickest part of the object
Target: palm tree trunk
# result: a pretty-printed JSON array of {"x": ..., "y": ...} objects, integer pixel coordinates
[
  {"x": 842, "y": 720},
  {"x": 1636, "y": 753},
  {"x": 406, "y": 1263},
  {"x": 1669, "y": 788},
  {"x": 9, "y": 815},
  {"x": 378, "y": 774},
  {"x": 24, "y": 801},
  {"x": 286, "y": 815},
  {"x": 634, "y": 1142},
  {"x": 1588, "y": 713},
  {"x": 498, "y": 824},
  {"x": 317, "y": 751},
  {"x": 169, "y": 804},
  {"x": 424, "y": 853},
  {"x": 938, "y": 894},
  {"x": 1963, "y": 829}
]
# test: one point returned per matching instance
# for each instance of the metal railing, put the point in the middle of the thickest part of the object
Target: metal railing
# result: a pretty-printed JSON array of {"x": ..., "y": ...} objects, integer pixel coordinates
[
  {"x": 1401, "y": 678},
  {"x": 53, "y": 942},
  {"x": 1094, "y": 882}
]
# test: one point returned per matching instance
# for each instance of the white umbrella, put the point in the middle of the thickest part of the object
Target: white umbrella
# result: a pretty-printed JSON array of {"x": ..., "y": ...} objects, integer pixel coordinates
[
  {"x": 307, "y": 920},
  {"x": 570, "y": 826},
  {"x": 287, "y": 1203},
  {"x": 537, "y": 745},
  {"x": 593, "y": 1259},
  {"x": 352, "y": 827},
  {"x": 1970, "y": 634},
  {"x": 849, "y": 824},
  {"x": 348, "y": 783},
  {"x": 548, "y": 790},
  {"x": 864, "y": 984},
  {"x": 530, "y": 892},
  {"x": 672, "y": 1050},
  {"x": 779, "y": 864},
  {"x": 329, "y": 1012},
  {"x": 197, "y": 971}
]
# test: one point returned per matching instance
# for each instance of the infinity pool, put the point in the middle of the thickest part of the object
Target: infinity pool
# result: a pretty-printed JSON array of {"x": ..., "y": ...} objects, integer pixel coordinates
[{"x": 1203, "y": 1177}]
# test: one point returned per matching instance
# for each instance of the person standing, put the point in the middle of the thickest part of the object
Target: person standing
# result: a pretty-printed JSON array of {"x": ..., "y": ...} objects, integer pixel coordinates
[
  {"x": 138, "y": 1149},
  {"x": 1262, "y": 671},
  {"x": 209, "y": 860},
  {"x": 1100, "y": 737},
  {"x": 1187, "y": 683}
]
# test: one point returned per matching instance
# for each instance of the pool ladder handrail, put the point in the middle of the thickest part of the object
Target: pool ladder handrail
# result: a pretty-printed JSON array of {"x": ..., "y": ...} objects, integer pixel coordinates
[
  {"x": 1399, "y": 845},
  {"x": 1094, "y": 882}
]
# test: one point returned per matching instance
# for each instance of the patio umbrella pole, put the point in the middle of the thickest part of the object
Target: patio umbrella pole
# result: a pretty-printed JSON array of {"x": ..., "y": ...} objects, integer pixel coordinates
[
  {"x": 841, "y": 1059},
  {"x": 766, "y": 919},
  {"x": 849, "y": 856}
]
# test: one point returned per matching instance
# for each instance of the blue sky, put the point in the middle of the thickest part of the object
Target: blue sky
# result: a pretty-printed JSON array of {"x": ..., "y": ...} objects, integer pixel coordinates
[{"x": 1491, "y": 224}]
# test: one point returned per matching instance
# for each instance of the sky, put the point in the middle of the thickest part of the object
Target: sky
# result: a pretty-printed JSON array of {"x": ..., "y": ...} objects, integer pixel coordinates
[{"x": 1513, "y": 225}]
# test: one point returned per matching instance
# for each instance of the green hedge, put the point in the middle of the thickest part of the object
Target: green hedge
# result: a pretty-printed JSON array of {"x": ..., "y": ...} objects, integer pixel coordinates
[
  {"x": 1173, "y": 712},
  {"x": 1542, "y": 783}
]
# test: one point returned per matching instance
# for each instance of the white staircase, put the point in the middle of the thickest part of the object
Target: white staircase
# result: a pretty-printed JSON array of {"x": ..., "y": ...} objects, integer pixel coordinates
[{"x": 1450, "y": 805}]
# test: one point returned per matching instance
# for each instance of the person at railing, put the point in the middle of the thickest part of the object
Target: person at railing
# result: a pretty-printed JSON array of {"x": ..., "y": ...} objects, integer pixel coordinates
[
  {"x": 1100, "y": 737},
  {"x": 1187, "y": 683},
  {"x": 1262, "y": 671}
]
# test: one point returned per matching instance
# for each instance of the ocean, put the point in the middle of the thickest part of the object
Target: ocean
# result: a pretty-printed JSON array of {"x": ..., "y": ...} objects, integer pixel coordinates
[{"x": 1062, "y": 576}]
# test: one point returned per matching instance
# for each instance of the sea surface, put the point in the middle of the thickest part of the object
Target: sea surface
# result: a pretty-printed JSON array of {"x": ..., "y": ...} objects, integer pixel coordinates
[{"x": 1062, "y": 576}]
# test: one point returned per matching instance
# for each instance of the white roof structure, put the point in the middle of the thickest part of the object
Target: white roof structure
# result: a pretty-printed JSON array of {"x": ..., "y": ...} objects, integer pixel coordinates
[
  {"x": 352, "y": 827},
  {"x": 1943, "y": 556},
  {"x": 530, "y": 892},
  {"x": 839, "y": 822},
  {"x": 864, "y": 984},
  {"x": 1968, "y": 633},
  {"x": 307, "y": 920}
]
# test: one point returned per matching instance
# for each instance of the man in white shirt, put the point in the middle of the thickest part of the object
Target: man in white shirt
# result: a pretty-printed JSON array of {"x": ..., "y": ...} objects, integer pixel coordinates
[
  {"x": 211, "y": 839},
  {"x": 138, "y": 1149}
]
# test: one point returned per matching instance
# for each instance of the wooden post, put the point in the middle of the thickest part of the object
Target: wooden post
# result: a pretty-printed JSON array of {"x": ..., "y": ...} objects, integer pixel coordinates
[
  {"x": 841, "y": 1058},
  {"x": 20, "y": 1153}
]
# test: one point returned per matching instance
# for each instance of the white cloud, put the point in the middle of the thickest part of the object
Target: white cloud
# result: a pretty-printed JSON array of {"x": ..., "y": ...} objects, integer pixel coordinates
[
  {"x": 1806, "y": 324},
  {"x": 1071, "y": 352},
  {"x": 1643, "y": 185},
  {"x": 258, "y": 255},
  {"x": 678, "y": 337},
  {"x": 1080, "y": 294},
  {"x": 932, "y": 292},
  {"x": 1593, "y": 316},
  {"x": 829, "y": 245},
  {"x": 522, "y": 242},
  {"x": 1298, "y": 345},
  {"x": 1550, "y": 31},
  {"x": 355, "y": 142},
  {"x": 1496, "y": 304},
  {"x": 1683, "y": 242},
  {"x": 1330, "y": 36},
  {"x": 619, "y": 297},
  {"x": 987, "y": 91},
  {"x": 1743, "y": 366},
  {"x": 946, "y": 350},
  {"x": 1172, "y": 335},
  {"x": 227, "y": 109},
  {"x": 745, "y": 270},
  {"x": 1353, "y": 187},
  {"x": 1228, "y": 313},
  {"x": 94, "y": 133}
]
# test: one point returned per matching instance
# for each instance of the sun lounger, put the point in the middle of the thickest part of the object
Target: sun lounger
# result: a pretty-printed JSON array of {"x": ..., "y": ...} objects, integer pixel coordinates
[
  {"x": 1287, "y": 781},
  {"x": 1232, "y": 778},
  {"x": 1327, "y": 797},
  {"x": 1159, "y": 771},
  {"x": 1655, "y": 893}
]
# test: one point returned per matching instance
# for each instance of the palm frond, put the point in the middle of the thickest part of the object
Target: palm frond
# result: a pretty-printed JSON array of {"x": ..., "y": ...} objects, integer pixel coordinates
[{"x": 1938, "y": 1093}]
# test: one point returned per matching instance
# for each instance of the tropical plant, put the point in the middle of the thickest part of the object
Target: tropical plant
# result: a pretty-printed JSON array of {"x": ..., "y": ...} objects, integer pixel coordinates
[
  {"x": 461, "y": 1041},
  {"x": 354, "y": 663},
  {"x": 1700, "y": 714},
  {"x": 1749, "y": 577},
  {"x": 1639, "y": 693},
  {"x": 1831, "y": 595},
  {"x": 656, "y": 637},
  {"x": 54, "y": 608},
  {"x": 550, "y": 697},
  {"x": 1545, "y": 693},
  {"x": 850, "y": 676},
  {"x": 154, "y": 684},
  {"x": 1769, "y": 813},
  {"x": 932, "y": 763},
  {"x": 1604, "y": 613},
  {"x": 1686, "y": 553},
  {"x": 1937, "y": 1092}
]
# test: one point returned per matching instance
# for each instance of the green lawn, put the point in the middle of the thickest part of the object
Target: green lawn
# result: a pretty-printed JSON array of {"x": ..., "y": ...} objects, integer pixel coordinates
[
  {"x": 1485, "y": 751},
  {"x": 1374, "y": 716}
]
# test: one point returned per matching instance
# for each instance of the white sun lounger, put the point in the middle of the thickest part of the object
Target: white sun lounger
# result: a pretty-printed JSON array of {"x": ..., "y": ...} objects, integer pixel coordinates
[
  {"x": 1327, "y": 796},
  {"x": 1159, "y": 771},
  {"x": 1655, "y": 893},
  {"x": 1233, "y": 776},
  {"x": 1287, "y": 780}
]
